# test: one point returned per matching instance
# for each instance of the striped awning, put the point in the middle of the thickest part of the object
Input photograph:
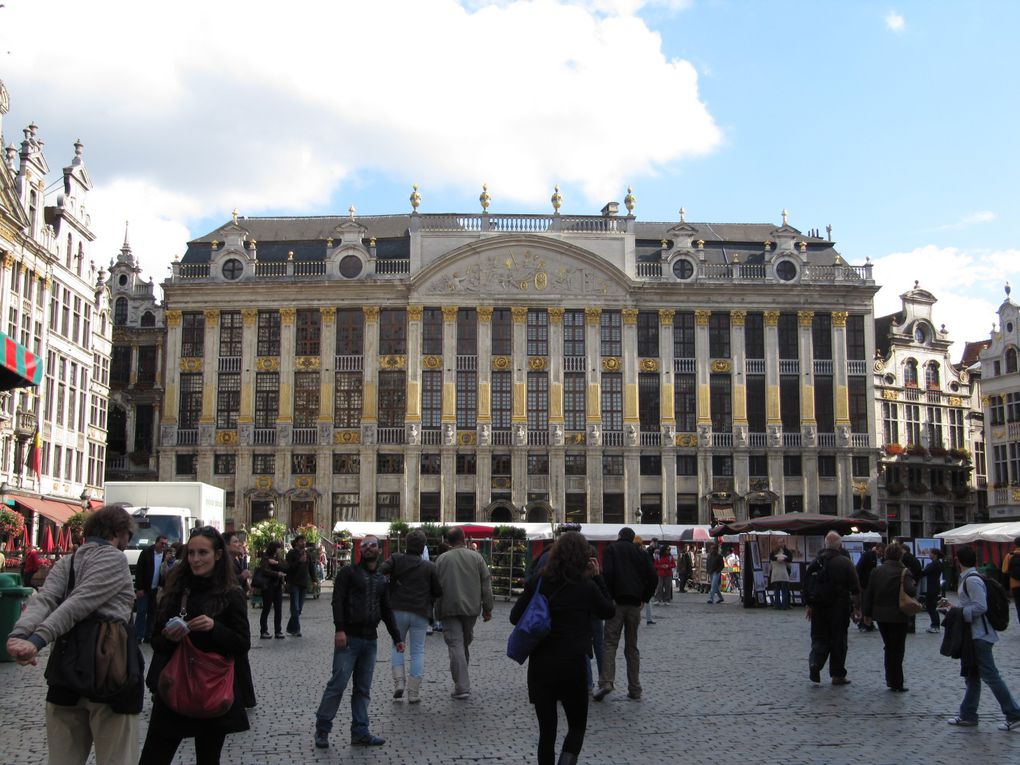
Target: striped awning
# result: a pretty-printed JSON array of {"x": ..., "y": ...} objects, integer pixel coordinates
[{"x": 18, "y": 365}]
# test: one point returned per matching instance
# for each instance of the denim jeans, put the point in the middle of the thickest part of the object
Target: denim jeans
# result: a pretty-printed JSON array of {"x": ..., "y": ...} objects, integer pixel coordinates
[
  {"x": 415, "y": 625},
  {"x": 145, "y": 615},
  {"x": 297, "y": 604},
  {"x": 782, "y": 597},
  {"x": 713, "y": 590},
  {"x": 598, "y": 631},
  {"x": 357, "y": 659},
  {"x": 988, "y": 672}
]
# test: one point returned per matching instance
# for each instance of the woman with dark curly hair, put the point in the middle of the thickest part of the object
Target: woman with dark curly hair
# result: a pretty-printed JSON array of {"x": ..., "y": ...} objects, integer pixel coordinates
[
  {"x": 204, "y": 590},
  {"x": 557, "y": 668}
]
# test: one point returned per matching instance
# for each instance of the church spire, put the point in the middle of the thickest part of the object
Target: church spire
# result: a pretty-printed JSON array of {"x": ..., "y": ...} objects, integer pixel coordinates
[{"x": 126, "y": 256}]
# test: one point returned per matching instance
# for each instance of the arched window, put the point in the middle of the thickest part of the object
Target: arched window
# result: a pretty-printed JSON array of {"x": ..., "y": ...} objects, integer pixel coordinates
[
  {"x": 1010, "y": 360},
  {"x": 69, "y": 244},
  {"x": 910, "y": 373},
  {"x": 148, "y": 319},
  {"x": 81, "y": 258},
  {"x": 931, "y": 376},
  {"x": 120, "y": 312}
]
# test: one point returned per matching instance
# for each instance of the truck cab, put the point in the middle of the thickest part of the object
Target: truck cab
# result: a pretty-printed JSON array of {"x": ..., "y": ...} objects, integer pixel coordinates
[{"x": 175, "y": 523}]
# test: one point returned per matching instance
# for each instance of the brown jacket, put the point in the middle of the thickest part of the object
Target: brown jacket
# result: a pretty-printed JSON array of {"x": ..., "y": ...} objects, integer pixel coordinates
[{"x": 882, "y": 598}]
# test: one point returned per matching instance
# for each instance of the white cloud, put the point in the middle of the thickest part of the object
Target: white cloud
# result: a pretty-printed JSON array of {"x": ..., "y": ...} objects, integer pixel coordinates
[
  {"x": 967, "y": 284},
  {"x": 895, "y": 22},
  {"x": 982, "y": 216},
  {"x": 208, "y": 106}
]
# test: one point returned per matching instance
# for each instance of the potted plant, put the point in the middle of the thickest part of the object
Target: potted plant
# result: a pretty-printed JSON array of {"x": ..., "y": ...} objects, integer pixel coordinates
[
  {"x": 310, "y": 532},
  {"x": 938, "y": 451},
  {"x": 894, "y": 450},
  {"x": 76, "y": 523},
  {"x": 918, "y": 487},
  {"x": 960, "y": 454},
  {"x": 895, "y": 488},
  {"x": 264, "y": 532},
  {"x": 916, "y": 450}
]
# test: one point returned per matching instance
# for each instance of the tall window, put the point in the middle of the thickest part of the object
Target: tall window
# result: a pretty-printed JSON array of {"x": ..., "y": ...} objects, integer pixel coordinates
[
  {"x": 191, "y": 401},
  {"x": 308, "y": 331},
  {"x": 821, "y": 335},
  {"x": 267, "y": 399},
  {"x": 120, "y": 311},
  {"x": 683, "y": 335},
  {"x": 231, "y": 328},
  {"x": 684, "y": 403},
  {"x": 935, "y": 427},
  {"x": 574, "y": 400},
  {"x": 786, "y": 329},
  {"x": 611, "y": 333},
  {"x": 648, "y": 334},
  {"x": 573, "y": 333},
  {"x": 956, "y": 440},
  {"x": 393, "y": 332},
  {"x": 347, "y": 401},
  {"x": 756, "y": 403},
  {"x": 120, "y": 365},
  {"x": 825, "y": 415},
  {"x": 648, "y": 402},
  {"x": 346, "y": 506},
  {"x": 392, "y": 399},
  {"x": 268, "y": 337},
  {"x": 719, "y": 335},
  {"x": 263, "y": 464},
  {"x": 306, "y": 399},
  {"x": 931, "y": 376},
  {"x": 913, "y": 423},
  {"x": 467, "y": 400},
  {"x": 855, "y": 348},
  {"x": 432, "y": 331},
  {"x": 538, "y": 401},
  {"x": 721, "y": 402},
  {"x": 502, "y": 332},
  {"x": 1010, "y": 360},
  {"x": 467, "y": 332},
  {"x": 228, "y": 401},
  {"x": 754, "y": 336},
  {"x": 890, "y": 422},
  {"x": 789, "y": 403},
  {"x": 910, "y": 373},
  {"x": 612, "y": 401},
  {"x": 502, "y": 400},
  {"x": 431, "y": 399},
  {"x": 192, "y": 334},
  {"x": 859, "y": 409},
  {"x": 538, "y": 332},
  {"x": 350, "y": 332}
]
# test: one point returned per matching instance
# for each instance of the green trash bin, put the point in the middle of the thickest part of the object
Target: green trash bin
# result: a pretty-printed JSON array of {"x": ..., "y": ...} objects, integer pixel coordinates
[{"x": 12, "y": 598}]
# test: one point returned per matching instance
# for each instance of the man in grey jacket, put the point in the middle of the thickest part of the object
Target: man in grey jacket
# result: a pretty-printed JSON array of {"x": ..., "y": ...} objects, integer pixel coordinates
[{"x": 467, "y": 589}]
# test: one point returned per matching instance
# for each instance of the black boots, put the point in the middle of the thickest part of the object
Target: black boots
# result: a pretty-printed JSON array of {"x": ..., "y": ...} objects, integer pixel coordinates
[{"x": 567, "y": 758}]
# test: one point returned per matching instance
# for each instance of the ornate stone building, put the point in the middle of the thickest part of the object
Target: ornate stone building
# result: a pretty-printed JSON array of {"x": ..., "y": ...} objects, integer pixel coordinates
[
  {"x": 54, "y": 304},
  {"x": 929, "y": 417},
  {"x": 136, "y": 372},
  {"x": 1001, "y": 387},
  {"x": 487, "y": 366}
]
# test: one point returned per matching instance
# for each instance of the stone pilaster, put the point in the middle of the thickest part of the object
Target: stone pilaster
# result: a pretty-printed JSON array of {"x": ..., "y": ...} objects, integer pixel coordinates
[{"x": 288, "y": 340}]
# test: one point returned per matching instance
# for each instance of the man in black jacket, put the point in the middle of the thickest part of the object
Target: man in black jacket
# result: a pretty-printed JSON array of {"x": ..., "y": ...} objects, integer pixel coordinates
[
  {"x": 631, "y": 581},
  {"x": 360, "y": 602},
  {"x": 839, "y": 591},
  {"x": 300, "y": 570},
  {"x": 146, "y": 585}
]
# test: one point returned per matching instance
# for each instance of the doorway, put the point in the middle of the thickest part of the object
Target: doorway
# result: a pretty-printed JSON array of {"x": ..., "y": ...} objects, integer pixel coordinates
[{"x": 302, "y": 512}]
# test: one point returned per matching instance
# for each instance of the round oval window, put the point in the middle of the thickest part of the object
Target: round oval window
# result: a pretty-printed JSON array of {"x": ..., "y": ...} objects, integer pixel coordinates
[
  {"x": 233, "y": 269},
  {"x": 683, "y": 269},
  {"x": 1009, "y": 326},
  {"x": 122, "y": 281},
  {"x": 786, "y": 270},
  {"x": 350, "y": 266}
]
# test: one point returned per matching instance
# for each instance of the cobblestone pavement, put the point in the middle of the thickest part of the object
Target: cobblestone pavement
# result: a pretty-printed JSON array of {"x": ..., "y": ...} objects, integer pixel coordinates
[{"x": 721, "y": 683}]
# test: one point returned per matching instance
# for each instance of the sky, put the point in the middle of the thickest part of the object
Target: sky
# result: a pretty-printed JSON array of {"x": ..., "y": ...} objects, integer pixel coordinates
[{"x": 896, "y": 124}]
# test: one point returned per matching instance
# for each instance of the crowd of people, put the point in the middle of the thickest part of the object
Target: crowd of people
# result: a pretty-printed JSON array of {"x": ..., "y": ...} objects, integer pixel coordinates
[{"x": 195, "y": 595}]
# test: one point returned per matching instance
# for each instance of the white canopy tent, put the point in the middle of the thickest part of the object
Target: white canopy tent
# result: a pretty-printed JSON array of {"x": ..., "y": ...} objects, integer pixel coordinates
[
  {"x": 981, "y": 532},
  {"x": 593, "y": 532}
]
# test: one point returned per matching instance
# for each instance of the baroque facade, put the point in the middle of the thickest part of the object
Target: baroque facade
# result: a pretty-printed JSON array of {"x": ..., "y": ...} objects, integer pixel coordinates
[
  {"x": 1001, "y": 402},
  {"x": 459, "y": 367},
  {"x": 54, "y": 303},
  {"x": 930, "y": 422}
]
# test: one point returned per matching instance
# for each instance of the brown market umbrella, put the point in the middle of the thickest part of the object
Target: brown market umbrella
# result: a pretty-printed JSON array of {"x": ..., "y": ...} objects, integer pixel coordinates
[{"x": 801, "y": 523}]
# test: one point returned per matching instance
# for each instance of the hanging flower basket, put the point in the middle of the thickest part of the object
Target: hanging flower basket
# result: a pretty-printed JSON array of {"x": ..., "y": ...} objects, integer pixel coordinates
[
  {"x": 12, "y": 524},
  {"x": 893, "y": 450},
  {"x": 76, "y": 524}
]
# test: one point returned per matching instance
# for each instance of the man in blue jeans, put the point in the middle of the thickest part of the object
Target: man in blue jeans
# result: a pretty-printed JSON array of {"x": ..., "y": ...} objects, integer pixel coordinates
[
  {"x": 300, "y": 569},
  {"x": 360, "y": 602},
  {"x": 973, "y": 606}
]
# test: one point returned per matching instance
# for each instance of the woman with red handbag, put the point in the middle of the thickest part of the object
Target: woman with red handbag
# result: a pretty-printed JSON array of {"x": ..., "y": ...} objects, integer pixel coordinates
[{"x": 203, "y": 616}]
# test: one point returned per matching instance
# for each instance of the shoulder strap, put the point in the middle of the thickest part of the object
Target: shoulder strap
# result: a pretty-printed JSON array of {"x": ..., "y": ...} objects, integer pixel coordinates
[{"x": 70, "y": 579}]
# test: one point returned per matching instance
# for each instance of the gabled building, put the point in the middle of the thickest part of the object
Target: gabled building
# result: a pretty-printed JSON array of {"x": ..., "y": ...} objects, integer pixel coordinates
[
  {"x": 928, "y": 411},
  {"x": 54, "y": 305},
  {"x": 458, "y": 367},
  {"x": 1001, "y": 387}
]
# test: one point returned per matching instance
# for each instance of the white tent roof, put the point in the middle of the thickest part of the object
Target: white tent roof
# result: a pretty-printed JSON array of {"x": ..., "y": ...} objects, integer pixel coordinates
[
  {"x": 981, "y": 532},
  {"x": 593, "y": 532}
]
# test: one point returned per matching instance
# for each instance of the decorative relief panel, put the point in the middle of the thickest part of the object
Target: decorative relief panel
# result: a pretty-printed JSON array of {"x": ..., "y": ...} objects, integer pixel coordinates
[
  {"x": 701, "y": 317},
  {"x": 347, "y": 437},
  {"x": 720, "y": 366},
  {"x": 267, "y": 364},
  {"x": 577, "y": 439},
  {"x": 649, "y": 365},
  {"x": 501, "y": 363},
  {"x": 431, "y": 362},
  {"x": 517, "y": 271},
  {"x": 191, "y": 365},
  {"x": 263, "y": 482},
  {"x": 307, "y": 363},
  {"x": 611, "y": 364},
  {"x": 537, "y": 363},
  {"x": 890, "y": 395},
  {"x": 304, "y": 482},
  {"x": 393, "y": 362},
  {"x": 955, "y": 401},
  {"x": 226, "y": 437},
  {"x": 467, "y": 438},
  {"x": 687, "y": 440}
]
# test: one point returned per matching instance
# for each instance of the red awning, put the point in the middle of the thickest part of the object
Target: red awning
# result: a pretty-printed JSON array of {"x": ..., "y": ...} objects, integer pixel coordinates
[
  {"x": 19, "y": 367},
  {"x": 58, "y": 512}
]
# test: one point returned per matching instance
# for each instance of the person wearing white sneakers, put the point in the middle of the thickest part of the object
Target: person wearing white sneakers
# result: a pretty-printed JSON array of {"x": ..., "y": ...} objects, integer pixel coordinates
[{"x": 973, "y": 605}]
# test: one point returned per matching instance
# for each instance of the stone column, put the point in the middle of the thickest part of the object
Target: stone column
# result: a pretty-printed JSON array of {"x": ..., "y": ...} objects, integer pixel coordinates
[
  {"x": 631, "y": 417},
  {"x": 519, "y": 416},
  {"x": 414, "y": 361},
  {"x": 773, "y": 417},
  {"x": 369, "y": 412},
  {"x": 171, "y": 395},
  {"x": 738, "y": 352},
  {"x": 210, "y": 354},
  {"x": 667, "y": 408},
  {"x": 808, "y": 423},
  {"x": 840, "y": 385},
  {"x": 327, "y": 361},
  {"x": 449, "y": 415},
  {"x": 702, "y": 373},
  {"x": 484, "y": 368},
  {"x": 249, "y": 346},
  {"x": 557, "y": 479},
  {"x": 288, "y": 341},
  {"x": 593, "y": 411}
]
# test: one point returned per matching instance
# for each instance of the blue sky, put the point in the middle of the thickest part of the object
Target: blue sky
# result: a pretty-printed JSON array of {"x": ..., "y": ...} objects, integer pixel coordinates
[{"x": 894, "y": 123}]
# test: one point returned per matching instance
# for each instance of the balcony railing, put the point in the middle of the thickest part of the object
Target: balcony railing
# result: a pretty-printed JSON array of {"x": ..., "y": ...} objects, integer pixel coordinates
[
  {"x": 431, "y": 437},
  {"x": 754, "y": 366},
  {"x": 531, "y": 224},
  {"x": 264, "y": 437},
  {"x": 722, "y": 440},
  {"x": 649, "y": 270},
  {"x": 1013, "y": 431},
  {"x": 861, "y": 441},
  {"x": 467, "y": 363},
  {"x": 651, "y": 439},
  {"x": 392, "y": 267},
  {"x": 789, "y": 366},
  {"x": 856, "y": 367},
  {"x": 684, "y": 366},
  {"x": 827, "y": 440},
  {"x": 229, "y": 364},
  {"x": 187, "y": 437},
  {"x": 391, "y": 436},
  {"x": 25, "y": 423},
  {"x": 757, "y": 440},
  {"x": 502, "y": 438},
  {"x": 791, "y": 440},
  {"x": 573, "y": 363},
  {"x": 612, "y": 438},
  {"x": 823, "y": 366},
  {"x": 349, "y": 363},
  {"x": 305, "y": 436},
  {"x": 538, "y": 438}
]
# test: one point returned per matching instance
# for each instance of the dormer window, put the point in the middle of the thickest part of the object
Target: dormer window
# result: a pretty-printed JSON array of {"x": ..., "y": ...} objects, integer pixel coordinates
[
  {"x": 910, "y": 374},
  {"x": 233, "y": 269},
  {"x": 920, "y": 334},
  {"x": 1010, "y": 360},
  {"x": 931, "y": 376},
  {"x": 120, "y": 312},
  {"x": 148, "y": 319}
]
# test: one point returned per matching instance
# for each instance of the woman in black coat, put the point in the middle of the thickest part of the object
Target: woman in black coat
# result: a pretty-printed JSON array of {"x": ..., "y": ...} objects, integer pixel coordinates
[
  {"x": 217, "y": 621},
  {"x": 932, "y": 578},
  {"x": 882, "y": 604},
  {"x": 274, "y": 570},
  {"x": 557, "y": 668}
]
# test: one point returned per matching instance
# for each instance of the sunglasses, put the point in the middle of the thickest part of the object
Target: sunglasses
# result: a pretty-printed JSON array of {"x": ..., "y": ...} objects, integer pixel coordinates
[{"x": 369, "y": 544}]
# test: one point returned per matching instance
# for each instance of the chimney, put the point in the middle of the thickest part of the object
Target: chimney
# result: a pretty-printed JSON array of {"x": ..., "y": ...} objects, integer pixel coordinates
[{"x": 611, "y": 209}]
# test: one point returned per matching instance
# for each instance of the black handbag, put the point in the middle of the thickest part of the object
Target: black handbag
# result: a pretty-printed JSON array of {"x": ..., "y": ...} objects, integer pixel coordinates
[
  {"x": 97, "y": 659},
  {"x": 260, "y": 579}
]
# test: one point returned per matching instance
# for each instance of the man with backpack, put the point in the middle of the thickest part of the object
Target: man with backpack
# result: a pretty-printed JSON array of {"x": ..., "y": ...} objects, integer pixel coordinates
[
  {"x": 975, "y": 595},
  {"x": 831, "y": 590},
  {"x": 1011, "y": 569}
]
